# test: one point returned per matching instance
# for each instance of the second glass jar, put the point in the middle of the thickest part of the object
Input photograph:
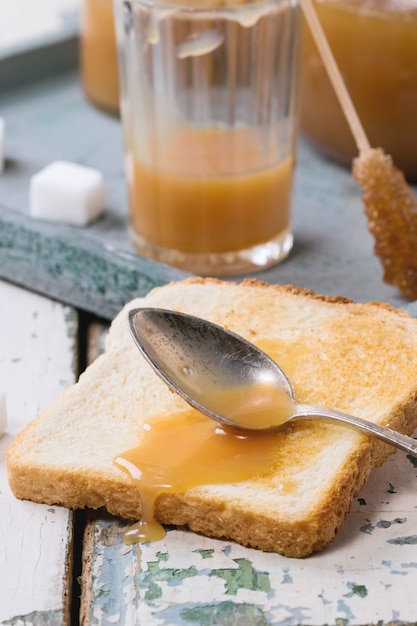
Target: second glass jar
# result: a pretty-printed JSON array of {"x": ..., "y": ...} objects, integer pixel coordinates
[{"x": 375, "y": 45}]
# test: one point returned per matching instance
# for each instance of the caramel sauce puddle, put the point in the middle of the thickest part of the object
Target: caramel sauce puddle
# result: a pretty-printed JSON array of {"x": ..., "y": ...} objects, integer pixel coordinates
[{"x": 186, "y": 449}]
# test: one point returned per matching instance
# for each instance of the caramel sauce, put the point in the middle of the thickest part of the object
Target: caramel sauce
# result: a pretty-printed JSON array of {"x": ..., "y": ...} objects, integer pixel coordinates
[
  {"x": 203, "y": 184},
  {"x": 186, "y": 449},
  {"x": 256, "y": 406},
  {"x": 183, "y": 450}
]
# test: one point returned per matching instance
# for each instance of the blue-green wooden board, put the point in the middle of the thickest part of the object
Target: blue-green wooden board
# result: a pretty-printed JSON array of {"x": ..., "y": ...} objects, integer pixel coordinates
[{"x": 94, "y": 267}]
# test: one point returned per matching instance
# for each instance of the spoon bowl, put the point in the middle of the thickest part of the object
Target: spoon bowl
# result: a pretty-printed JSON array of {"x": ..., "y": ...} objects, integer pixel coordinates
[{"x": 228, "y": 378}]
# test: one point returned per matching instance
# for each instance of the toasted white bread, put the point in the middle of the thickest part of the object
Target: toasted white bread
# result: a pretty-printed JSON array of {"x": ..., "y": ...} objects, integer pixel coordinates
[{"x": 358, "y": 358}]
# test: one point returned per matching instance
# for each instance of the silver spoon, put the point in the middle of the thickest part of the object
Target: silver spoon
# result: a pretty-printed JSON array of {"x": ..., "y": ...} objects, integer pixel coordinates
[{"x": 193, "y": 355}]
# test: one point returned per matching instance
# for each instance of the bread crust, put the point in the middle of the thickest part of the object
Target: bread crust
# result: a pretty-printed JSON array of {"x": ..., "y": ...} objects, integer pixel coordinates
[{"x": 361, "y": 358}]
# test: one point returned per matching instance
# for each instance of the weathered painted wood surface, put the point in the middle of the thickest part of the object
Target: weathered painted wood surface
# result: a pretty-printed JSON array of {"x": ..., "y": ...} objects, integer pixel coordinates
[
  {"x": 36, "y": 42},
  {"x": 24, "y": 26},
  {"x": 37, "y": 355},
  {"x": 48, "y": 118},
  {"x": 95, "y": 267},
  {"x": 367, "y": 576}
]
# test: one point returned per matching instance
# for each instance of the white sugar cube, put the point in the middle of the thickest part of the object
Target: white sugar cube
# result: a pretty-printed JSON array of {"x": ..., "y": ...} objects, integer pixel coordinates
[
  {"x": 3, "y": 413},
  {"x": 1, "y": 144},
  {"x": 67, "y": 192}
]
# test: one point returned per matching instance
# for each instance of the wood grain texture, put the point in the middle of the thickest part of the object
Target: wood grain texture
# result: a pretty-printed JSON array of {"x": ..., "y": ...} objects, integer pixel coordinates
[
  {"x": 96, "y": 268},
  {"x": 70, "y": 268},
  {"x": 367, "y": 576},
  {"x": 37, "y": 356}
]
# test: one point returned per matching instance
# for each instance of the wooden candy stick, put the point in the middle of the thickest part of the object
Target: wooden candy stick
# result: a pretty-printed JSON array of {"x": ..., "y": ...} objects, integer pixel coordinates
[
  {"x": 335, "y": 76},
  {"x": 390, "y": 204}
]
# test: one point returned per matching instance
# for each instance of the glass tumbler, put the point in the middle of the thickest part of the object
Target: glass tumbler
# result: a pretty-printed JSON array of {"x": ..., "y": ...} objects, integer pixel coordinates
[{"x": 209, "y": 110}]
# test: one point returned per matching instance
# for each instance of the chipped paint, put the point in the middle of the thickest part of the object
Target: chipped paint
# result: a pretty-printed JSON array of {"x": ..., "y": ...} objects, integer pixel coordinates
[
  {"x": 413, "y": 460},
  {"x": 35, "y": 549},
  {"x": 367, "y": 528},
  {"x": 383, "y": 523},
  {"x": 244, "y": 577},
  {"x": 206, "y": 554},
  {"x": 37, "y": 618},
  {"x": 287, "y": 578},
  {"x": 357, "y": 590},
  {"x": 186, "y": 579},
  {"x": 224, "y": 613},
  {"x": 411, "y": 540}
]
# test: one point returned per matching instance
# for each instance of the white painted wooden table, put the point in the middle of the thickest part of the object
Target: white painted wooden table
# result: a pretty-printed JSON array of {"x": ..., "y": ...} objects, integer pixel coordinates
[
  {"x": 368, "y": 576},
  {"x": 37, "y": 356}
]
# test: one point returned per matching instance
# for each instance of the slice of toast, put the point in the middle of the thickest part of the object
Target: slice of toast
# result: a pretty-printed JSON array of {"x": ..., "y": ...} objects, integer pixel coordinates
[{"x": 358, "y": 358}]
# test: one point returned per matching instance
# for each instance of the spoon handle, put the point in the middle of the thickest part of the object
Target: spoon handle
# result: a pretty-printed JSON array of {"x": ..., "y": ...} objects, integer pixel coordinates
[{"x": 400, "y": 441}]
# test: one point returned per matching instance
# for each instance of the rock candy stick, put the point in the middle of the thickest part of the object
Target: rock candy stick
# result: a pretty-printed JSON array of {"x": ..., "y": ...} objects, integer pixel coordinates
[{"x": 391, "y": 211}]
